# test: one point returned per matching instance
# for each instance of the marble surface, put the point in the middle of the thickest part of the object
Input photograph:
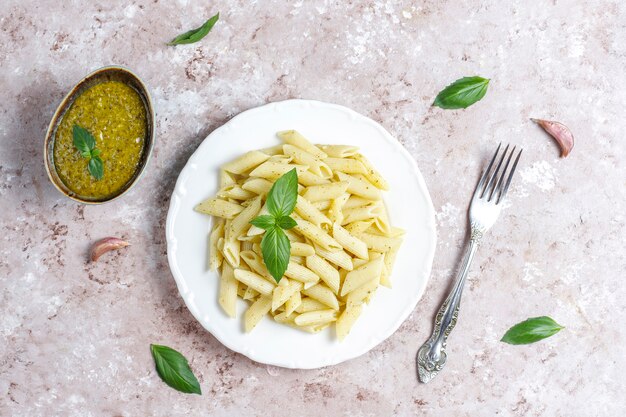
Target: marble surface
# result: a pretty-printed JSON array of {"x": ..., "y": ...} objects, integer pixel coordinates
[{"x": 74, "y": 336}]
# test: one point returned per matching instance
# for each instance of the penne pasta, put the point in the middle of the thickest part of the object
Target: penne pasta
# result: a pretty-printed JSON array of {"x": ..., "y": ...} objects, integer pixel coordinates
[
  {"x": 219, "y": 208},
  {"x": 316, "y": 234},
  {"x": 349, "y": 242},
  {"x": 359, "y": 187},
  {"x": 361, "y": 275},
  {"x": 310, "y": 213},
  {"x": 316, "y": 166},
  {"x": 325, "y": 191},
  {"x": 327, "y": 273},
  {"x": 228, "y": 291},
  {"x": 215, "y": 255},
  {"x": 294, "y": 138},
  {"x": 345, "y": 165},
  {"x": 371, "y": 174},
  {"x": 256, "y": 281},
  {"x": 342, "y": 248},
  {"x": 323, "y": 294},
  {"x": 246, "y": 162},
  {"x": 339, "y": 151}
]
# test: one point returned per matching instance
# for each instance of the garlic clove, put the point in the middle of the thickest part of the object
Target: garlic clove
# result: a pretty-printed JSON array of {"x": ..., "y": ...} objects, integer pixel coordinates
[
  {"x": 105, "y": 245},
  {"x": 561, "y": 134}
]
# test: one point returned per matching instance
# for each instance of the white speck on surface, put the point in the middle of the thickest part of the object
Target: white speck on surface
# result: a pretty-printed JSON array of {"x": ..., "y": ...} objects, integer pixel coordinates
[
  {"x": 448, "y": 215},
  {"x": 406, "y": 14},
  {"x": 541, "y": 174},
  {"x": 130, "y": 11},
  {"x": 531, "y": 272}
]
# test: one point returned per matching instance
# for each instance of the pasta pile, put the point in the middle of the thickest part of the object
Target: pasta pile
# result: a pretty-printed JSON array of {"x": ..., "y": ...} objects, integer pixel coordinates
[{"x": 342, "y": 248}]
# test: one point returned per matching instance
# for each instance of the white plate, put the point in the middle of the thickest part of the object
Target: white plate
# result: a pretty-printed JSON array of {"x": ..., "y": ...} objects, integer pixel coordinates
[{"x": 409, "y": 207}]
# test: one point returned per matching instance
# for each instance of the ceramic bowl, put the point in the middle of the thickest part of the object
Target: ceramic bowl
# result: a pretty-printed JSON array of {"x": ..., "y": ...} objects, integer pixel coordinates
[{"x": 109, "y": 73}]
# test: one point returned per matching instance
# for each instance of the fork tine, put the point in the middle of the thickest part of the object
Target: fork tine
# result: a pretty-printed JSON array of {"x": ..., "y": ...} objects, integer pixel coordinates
[
  {"x": 497, "y": 190},
  {"x": 508, "y": 181},
  {"x": 479, "y": 187},
  {"x": 494, "y": 175}
]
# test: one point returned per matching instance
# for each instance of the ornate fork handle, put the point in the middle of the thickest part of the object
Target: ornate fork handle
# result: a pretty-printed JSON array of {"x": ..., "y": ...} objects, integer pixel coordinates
[{"x": 431, "y": 357}]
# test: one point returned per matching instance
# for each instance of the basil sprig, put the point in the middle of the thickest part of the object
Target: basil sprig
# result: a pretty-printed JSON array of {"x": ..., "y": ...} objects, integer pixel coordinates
[
  {"x": 174, "y": 370},
  {"x": 531, "y": 331},
  {"x": 194, "y": 35},
  {"x": 462, "y": 93},
  {"x": 275, "y": 245},
  {"x": 86, "y": 145}
]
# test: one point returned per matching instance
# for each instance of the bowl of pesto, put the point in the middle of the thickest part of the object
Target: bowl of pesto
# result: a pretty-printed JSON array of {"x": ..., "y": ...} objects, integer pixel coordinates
[{"x": 101, "y": 136}]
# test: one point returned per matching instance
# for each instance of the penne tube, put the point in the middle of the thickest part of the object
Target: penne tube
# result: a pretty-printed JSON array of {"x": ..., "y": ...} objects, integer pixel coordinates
[
  {"x": 259, "y": 186},
  {"x": 241, "y": 223},
  {"x": 255, "y": 263},
  {"x": 300, "y": 273},
  {"x": 226, "y": 179},
  {"x": 361, "y": 275},
  {"x": 363, "y": 293},
  {"x": 327, "y": 273},
  {"x": 325, "y": 191},
  {"x": 339, "y": 258},
  {"x": 359, "y": 226},
  {"x": 371, "y": 174},
  {"x": 227, "y": 298},
  {"x": 316, "y": 234},
  {"x": 323, "y": 294},
  {"x": 358, "y": 214},
  {"x": 359, "y": 187},
  {"x": 349, "y": 242},
  {"x": 219, "y": 208},
  {"x": 256, "y": 281},
  {"x": 347, "y": 319},
  {"x": 301, "y": 249},
  {"x": 308, "y": 179},
  {"x": 316, "y": 317},
  {"x": 255, "y": 312},
  {"x": 379, "y": 243},
  {"x": 282, "y": 293},
  {"x": 293, "y": 303},
  {"x": 215, "y": 256},
  {"x": 339, "y": 151},
  {"x": 309, "y": 304},
  {"x": 322, "y": 205},
  {"x": 271, "y": 170},
  {"x": 316, "y": 166},
  {"x": 356, "y": 201},
  {"x": 345, "y": 165},
  {"x": 235, "y": 192},
  {"x": 294, "y": 138},
  {"x": 335, "y": 210},
  {"x": 246, "y": 162},
  {"x": 310, "y": 213}
]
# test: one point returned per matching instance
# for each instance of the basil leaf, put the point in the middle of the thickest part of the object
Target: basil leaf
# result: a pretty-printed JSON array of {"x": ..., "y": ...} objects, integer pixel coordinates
[
  {"x": 174, "y": 369},
  {"x": 462, "y": 93},
  {"x": 95, "y": 152},
  {"x": 264, "y": 222},
  {"x": 83, "y": 140},
  {"x": 96, "y": 168},
  {"x": 286, "y": 222},
  {"x": 531, "y": 331},
  {"x": 276, "y": 250},
  {"x": 194, "y": 35},
  {"x": 281, "y": 199}
]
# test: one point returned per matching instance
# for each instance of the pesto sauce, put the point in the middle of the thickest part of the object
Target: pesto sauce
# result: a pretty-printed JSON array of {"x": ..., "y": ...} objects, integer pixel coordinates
[{"x": 115, "y": 115}]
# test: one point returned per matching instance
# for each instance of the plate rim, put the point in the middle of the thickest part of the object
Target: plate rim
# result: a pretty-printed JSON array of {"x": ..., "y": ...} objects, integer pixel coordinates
[{"x": 171, "y": 241}]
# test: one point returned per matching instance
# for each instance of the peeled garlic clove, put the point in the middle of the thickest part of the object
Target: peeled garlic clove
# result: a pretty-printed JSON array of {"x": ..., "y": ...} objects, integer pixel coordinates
[
  {"x": 105, "y": 245},
  {"x": 561, "y": 134}
]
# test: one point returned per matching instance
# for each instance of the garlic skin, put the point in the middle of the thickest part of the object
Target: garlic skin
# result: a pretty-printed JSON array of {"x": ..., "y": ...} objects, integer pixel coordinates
[
  {"x": 105, "y": 245},
  {"x": 561, "y": 134}
]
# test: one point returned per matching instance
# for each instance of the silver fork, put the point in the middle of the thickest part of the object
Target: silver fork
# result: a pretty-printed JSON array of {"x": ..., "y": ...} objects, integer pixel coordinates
[{"x": 483, "y": 213}]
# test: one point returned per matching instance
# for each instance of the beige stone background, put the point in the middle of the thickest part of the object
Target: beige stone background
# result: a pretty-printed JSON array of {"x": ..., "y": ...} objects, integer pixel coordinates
[{"x": 74, "y": 336}]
